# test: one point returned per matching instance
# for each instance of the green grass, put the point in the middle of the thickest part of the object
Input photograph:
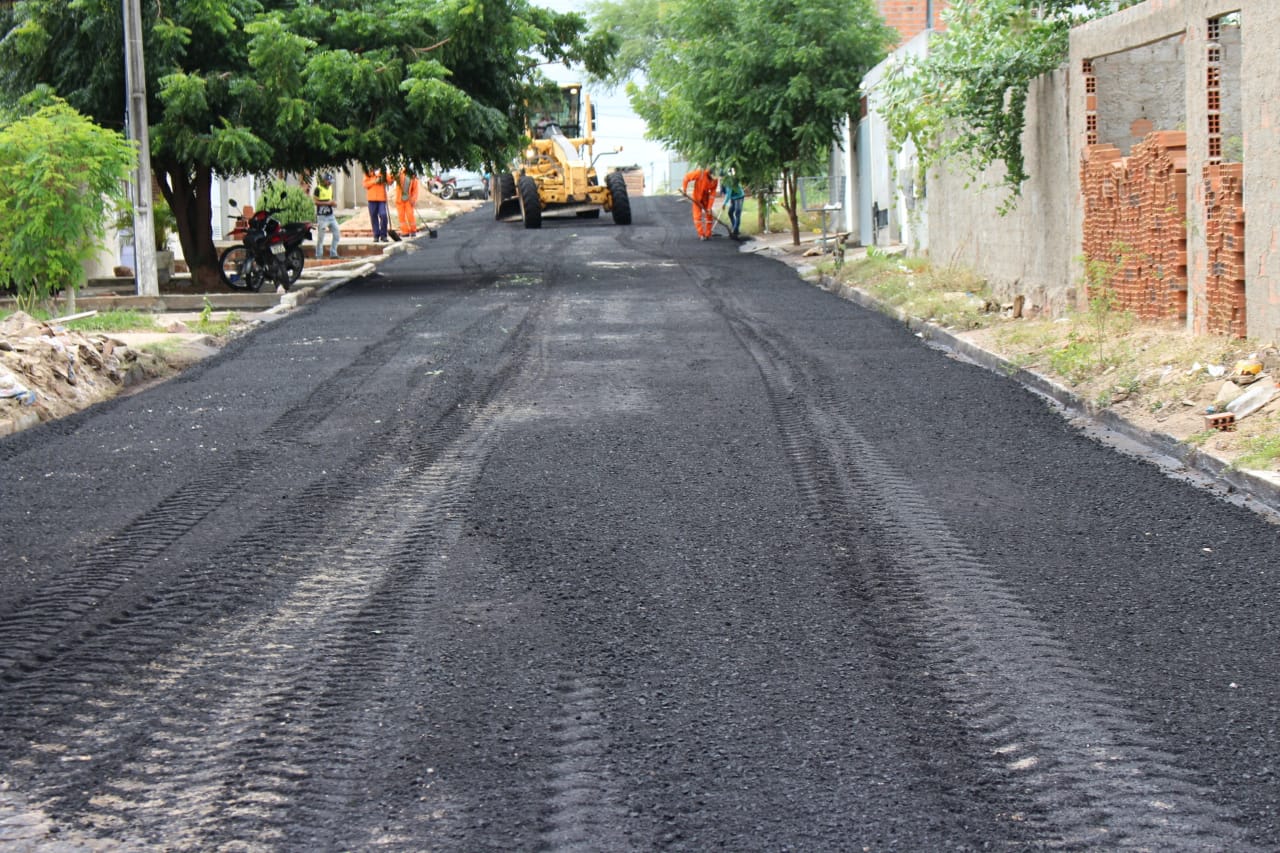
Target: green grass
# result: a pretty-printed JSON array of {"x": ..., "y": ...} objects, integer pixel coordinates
[
  {"x": 161, "y": 349},
  {"x": 1260, "y": 452},
  {"x": 103, "y": 321},
  {"x": 1077, "y": 361},
  {"x": 778, "y": 221},
  {"x": 141, "y": 321},
  {"x": 116, "y": 321},
  {"x": 950, "y": 296},
  {"x": 1200, "y": 438},
  {"x": 876, "y": 270}
]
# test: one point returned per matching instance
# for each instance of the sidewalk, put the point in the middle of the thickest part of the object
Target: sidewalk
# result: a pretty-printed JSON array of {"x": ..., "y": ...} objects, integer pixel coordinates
[{"x": 430, "y": 212}]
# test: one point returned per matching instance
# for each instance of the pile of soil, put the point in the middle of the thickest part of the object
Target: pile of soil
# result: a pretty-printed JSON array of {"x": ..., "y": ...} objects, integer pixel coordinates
[{"x": 48, "y": 371}]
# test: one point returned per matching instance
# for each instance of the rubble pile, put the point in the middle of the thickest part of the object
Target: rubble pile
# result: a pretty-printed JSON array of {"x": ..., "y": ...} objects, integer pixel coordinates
[{"x": 48, "y": 371}]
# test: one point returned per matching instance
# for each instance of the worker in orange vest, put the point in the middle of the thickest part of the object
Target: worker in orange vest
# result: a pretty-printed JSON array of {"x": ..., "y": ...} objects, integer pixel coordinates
[
  {"x": 375, "y": 185},
  {"x": 406, "y": 200},
  {"x": 704, "y": 196}
]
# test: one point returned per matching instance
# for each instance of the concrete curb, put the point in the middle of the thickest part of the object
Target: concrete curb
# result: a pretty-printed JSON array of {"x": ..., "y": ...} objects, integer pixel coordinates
[
  {"x": 1255, "y": 489},
  {"x": 297, "y": 298}
]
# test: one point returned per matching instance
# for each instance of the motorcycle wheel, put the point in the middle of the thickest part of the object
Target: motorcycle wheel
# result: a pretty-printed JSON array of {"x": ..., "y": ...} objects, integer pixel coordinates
[
  {"x": 447, "y": 191},
  {"x": 238, "y": 271},
  {"x": 295, "y": 260}
]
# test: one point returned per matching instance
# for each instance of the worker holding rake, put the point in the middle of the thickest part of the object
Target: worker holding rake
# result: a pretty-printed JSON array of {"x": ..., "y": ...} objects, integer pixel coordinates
[{"x": 704, "y": 196}]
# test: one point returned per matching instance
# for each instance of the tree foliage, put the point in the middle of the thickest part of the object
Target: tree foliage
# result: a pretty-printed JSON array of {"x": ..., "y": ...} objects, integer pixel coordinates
[
  {"x": 60, "y": 175},
  {"x": 259, "y": 86},
  {"x": 966, "y": 100},
  {"x": 760, "y": 85},
  {"x": 637, "y": 27}
]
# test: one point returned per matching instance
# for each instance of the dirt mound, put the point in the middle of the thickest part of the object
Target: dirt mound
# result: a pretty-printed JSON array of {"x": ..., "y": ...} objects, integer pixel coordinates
[{"x": 48, "y": 371}]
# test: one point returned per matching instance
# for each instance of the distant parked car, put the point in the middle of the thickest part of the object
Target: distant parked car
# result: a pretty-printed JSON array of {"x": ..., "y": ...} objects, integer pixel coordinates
[{"x": 467, "y": 184}]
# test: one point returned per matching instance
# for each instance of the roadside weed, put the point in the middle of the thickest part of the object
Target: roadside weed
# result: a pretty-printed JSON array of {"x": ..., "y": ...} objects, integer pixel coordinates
[
  {"x": 950, "y": 296},
  {"x": 1076, "y": 361},
  {"x": 103, "y": 321},
  {"x": 206, "y": 324},
  {"x": 1259, "y": 452},
  {"x": 116, "y": 321},
  {"x": 1200, "y": 438}
]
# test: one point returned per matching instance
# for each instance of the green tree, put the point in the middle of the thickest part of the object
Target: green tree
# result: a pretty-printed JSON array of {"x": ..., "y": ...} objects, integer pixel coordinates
[
  {"x": 966, "y": 100},
  {"x": 258, "y": 86},
  {"x": 761, "y": 85},
  {"x": 60, "y": 176},
  {"x": 637, "y": 27}
]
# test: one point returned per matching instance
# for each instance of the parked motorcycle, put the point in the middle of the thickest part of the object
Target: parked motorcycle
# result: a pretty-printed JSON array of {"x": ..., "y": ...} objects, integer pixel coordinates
[
  {"x": 270, "y": 251},
  {"x": 446, "y": 188}
]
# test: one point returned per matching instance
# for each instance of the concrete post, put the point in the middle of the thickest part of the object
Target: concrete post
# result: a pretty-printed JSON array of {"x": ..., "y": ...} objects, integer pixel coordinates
[{"x": 144, "y": 244}]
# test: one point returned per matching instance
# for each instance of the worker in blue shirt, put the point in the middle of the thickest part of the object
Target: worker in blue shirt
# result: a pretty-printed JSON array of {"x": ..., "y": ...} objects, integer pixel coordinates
[{"x": 731, "y": 188}]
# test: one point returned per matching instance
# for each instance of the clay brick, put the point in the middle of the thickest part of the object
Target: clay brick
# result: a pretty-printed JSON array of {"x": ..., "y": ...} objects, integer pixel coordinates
[
  {"x": 1168, "y": 138},
  {"x": 1224, "y": 421}
]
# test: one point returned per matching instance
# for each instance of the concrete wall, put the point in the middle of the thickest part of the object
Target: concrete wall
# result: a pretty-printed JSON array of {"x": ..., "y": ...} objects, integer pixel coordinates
[
  {"x": 1141, "y": 90},
  {"x": 1028, "y": 250},
  {"x": 1151, "y": 62}
]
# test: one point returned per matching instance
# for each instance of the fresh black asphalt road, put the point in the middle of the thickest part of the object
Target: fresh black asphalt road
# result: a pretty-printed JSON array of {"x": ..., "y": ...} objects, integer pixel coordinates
[{"x": 605, "y": 538}]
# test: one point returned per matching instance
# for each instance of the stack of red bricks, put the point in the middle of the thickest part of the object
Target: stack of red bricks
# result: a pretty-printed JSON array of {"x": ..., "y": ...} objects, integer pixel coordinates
[
  {"x": 1135, "y": 234},
  {"x": 1224, "y": 232}
]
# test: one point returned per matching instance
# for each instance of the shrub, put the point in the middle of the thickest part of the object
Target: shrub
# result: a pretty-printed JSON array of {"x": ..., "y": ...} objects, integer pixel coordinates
[
  {"x": 293, "y": 202},
  {"x": 60, "y": 177}
]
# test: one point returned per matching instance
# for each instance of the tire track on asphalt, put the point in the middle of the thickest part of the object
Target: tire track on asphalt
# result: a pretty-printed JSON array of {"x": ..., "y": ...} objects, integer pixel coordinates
[
  {"x": 1052, "y": 734},
  {"x": 584, "y": 798},
  {"x": 82, "y": 685},
  {"x": 261, "y": 722},
  {"x": 41, "y": 626},
  {"x": 263, "y": 667}
]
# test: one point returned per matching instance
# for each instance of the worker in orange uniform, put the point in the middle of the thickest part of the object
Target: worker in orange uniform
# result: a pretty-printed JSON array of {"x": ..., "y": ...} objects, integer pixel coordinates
[
  {"x": 375, "y": 185},
  {"x": 406, "y": 200},
  {"x": 704, "y": 196}
]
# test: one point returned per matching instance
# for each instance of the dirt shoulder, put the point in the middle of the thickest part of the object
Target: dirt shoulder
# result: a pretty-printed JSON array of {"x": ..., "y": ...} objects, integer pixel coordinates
[
  {"x": 1155, "y": 384},
  {"x": 49, "y": 370}
]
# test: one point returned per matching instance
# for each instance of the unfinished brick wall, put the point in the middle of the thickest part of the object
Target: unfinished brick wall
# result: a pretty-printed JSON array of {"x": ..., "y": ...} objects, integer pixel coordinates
[
  {"x": 1224, "y": 207},
  {"x": 1135, "y": 230},
  {"x": 1224, "y": 232},
  {"x": 910, "y": 17}
]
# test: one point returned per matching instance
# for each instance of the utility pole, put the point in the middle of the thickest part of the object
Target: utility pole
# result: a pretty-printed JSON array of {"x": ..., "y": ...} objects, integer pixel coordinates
[{"x": 135, "y": 88}]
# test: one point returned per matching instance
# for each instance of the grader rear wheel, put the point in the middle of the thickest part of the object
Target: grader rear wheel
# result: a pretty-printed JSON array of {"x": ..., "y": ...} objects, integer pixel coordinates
[{"x": 530, "y": 204}]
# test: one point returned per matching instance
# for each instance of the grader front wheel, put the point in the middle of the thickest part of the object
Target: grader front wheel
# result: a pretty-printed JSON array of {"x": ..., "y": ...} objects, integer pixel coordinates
[
  {"x": 621, "y": 202},
  {"x": 505, "y": 202}
]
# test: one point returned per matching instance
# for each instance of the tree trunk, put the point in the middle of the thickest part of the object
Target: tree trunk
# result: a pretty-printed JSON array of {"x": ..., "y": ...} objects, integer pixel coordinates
[
  {"x": 789, "y": 203},
  {"x": 190, "y": 197}
]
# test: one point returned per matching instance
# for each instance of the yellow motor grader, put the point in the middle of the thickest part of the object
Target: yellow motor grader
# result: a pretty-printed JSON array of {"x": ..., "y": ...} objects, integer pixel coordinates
[{"x": 557, "y": 176}]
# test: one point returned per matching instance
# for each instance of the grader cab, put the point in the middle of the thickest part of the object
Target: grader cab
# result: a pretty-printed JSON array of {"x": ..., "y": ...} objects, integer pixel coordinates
[{"x": 557, "y": 174}]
